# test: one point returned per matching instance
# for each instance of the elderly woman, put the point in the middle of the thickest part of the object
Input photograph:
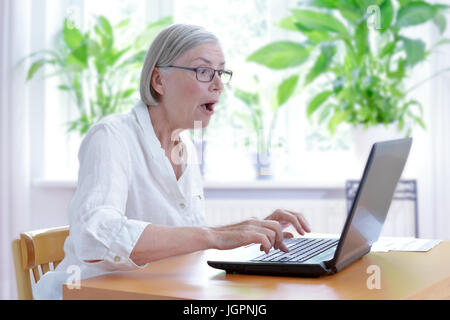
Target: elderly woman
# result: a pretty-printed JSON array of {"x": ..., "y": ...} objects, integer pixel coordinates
[{"x": 140, "y": 196}]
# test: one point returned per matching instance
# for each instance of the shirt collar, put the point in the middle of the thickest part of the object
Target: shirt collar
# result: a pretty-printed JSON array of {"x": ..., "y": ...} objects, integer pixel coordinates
[
  {"x": 156, "y": 151},
  {"x": 143, "y": 117}
]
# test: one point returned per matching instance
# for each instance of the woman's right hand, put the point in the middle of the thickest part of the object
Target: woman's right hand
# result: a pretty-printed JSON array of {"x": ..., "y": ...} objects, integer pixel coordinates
[{"x": 268, "y": 233}]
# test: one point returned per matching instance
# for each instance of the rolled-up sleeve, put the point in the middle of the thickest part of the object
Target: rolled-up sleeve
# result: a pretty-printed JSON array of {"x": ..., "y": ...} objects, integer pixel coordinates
[{"x": 99, "y": 227}]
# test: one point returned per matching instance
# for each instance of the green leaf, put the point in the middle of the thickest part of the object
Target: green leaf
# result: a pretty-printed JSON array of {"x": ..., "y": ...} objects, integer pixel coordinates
[
  {"x": 401, "y": 124},
  {"x": 72, "y": 125},
  {"x": 128, "y": 93},
  {"x": 387, "y": 15},
  {"x": 337, "y": 118},
  {"x": 123, "y": 23},
  {"x": 247, "y": 97},
  {"x": 136, "y": 58},
  {"x": 287, "y": 23},
  {"x": 440, "y": 21},
  {"x": 338, "y": 84},
  {"x": 94, "y": 49},
  {"x": 105, "y": 26},
  {"x": 364, "y": 4},
  {"x": 64, "y": 87},
  {"x": 330, "y": 4},
  {"x": 400, "y": 72},
  {"x": 442, "y": 42},
  {"x": 312, "y": 20},
  {"x": 79, "y": 56},
  {"x": 415, "y": 13},
  {"x": 290, "y": 23},
  {"x": 351, "y": 15},
  {"x": 322, "y": 63},
  {"x": 387, "y": 50},
  {"x": 35, "y": 67},
  {"x": 160, "y": 23},
  {"x": 420, "y": 122},
  {"x": 316, "y": 37},
  {"x": 317, "y": 101},
  {"x": 104, "y": 31},
  {"x": 115, "y": 56},
  {"x": 84, "y": 128},
  {"x": 285, "y": 89},
  {"x": 349, "y": 9},
  {"x": 100, "y": 94},
  {"x": 415, "y": 50},
  {"x": 71, "y": 35},
  {"x": 440, "y": 6},
  {"x": 100, "y": 66},
  {"x": 324, "y": 113},
  {"x": 151, "y": 31},
  {"x": 361, "y": 40},
  {"x": 404, "y": 2},
  {"x": 280, "y": 55}
]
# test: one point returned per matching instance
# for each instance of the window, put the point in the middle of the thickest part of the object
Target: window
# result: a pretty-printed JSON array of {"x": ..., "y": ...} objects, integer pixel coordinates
[{"x": 308, "y": 153}]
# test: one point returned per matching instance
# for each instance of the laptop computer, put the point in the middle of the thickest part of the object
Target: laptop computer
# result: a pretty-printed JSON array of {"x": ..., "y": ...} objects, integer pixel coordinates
[{"x": 309, "y": 257}]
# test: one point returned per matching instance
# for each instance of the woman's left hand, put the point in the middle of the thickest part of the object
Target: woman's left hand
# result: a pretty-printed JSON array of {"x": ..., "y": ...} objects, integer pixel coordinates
[{"x": 287, "y": 218}]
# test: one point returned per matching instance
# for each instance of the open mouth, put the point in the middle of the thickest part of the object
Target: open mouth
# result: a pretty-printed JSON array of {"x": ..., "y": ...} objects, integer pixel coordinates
[{"x": 208, "y": 108}]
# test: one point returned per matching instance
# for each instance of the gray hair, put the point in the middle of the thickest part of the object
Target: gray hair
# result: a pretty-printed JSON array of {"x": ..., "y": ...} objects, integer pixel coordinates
[{"x": 168, "y": 45}]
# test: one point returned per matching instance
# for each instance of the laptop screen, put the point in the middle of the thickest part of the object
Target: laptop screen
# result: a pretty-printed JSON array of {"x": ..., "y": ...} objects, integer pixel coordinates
[{"x": 373, "y": 199}]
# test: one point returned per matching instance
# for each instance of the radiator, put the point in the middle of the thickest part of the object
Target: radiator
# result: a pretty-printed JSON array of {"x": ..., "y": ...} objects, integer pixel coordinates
[{"x": 323, "y": 215}]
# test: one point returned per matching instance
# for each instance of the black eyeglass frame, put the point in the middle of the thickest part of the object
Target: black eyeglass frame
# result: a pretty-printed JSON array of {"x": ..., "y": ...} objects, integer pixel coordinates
[{"x": 219, "y": 72}]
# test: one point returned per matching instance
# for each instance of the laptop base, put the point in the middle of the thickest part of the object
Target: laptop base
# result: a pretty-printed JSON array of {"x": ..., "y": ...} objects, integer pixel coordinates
[{"x": 274, "y": 269}]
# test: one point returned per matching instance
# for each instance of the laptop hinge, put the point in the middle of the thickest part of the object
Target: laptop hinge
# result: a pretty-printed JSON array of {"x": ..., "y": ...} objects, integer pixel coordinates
[{"x": 343, "y": 264}]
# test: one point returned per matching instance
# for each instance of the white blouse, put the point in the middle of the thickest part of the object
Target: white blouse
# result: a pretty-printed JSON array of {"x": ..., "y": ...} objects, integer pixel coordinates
[{"x": 125, "y": 182}]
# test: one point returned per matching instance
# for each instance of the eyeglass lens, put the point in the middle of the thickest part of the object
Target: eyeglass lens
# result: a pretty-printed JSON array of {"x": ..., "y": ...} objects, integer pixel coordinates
[{"x": 207, "y": 74}]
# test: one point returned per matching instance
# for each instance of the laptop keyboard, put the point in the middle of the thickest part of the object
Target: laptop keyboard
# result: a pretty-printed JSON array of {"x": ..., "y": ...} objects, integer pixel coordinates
[{"x": 300, "y": 250}]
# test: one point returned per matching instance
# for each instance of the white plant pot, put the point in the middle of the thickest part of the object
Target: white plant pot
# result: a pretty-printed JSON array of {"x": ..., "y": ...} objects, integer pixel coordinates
[{"x": 363, "y": 139}]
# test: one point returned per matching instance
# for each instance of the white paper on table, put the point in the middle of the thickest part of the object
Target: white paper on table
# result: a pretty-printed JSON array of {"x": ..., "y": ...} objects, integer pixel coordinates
[{"x": 386, "y": 244}]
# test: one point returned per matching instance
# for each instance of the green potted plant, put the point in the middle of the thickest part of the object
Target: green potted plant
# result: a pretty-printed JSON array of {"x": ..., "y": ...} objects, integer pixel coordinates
[
  {"x": 99, "y": 68},
  {"x": 359, "y": 59},
  {"x": 259, "y": 117}
]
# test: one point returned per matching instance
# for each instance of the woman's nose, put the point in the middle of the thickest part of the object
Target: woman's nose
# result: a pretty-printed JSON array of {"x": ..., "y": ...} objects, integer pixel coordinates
[{"x": 216, "y": 83}]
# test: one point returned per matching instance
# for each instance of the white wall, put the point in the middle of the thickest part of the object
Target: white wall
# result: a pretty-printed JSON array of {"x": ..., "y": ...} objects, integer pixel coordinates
[{"x": 50, "y": 206}]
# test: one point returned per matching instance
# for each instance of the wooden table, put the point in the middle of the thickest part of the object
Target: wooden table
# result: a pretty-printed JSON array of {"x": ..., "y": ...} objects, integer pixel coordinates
[{"x": 404, "y": 275}]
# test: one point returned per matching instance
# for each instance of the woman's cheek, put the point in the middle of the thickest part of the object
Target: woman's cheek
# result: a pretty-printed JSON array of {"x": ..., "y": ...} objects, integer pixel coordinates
[{"x": 196, "y": 90}]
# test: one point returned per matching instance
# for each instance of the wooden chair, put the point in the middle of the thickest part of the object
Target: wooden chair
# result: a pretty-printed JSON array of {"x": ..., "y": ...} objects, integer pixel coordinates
[{"x": 34, "y": 251}]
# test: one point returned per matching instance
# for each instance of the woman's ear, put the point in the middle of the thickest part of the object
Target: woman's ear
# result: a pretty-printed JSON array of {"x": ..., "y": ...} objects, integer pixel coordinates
[{"x": 156, "y": 81}]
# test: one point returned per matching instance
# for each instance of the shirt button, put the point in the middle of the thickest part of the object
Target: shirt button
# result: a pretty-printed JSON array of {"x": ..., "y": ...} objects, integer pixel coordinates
[
  {"x": 116, "y": 258},
  {"x": 182, "y": 205}
]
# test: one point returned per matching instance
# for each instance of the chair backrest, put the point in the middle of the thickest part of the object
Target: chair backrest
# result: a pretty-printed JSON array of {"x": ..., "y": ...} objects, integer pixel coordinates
[
  {"x": 35, "y": 251},
  {"x": 406, "y": 190}
]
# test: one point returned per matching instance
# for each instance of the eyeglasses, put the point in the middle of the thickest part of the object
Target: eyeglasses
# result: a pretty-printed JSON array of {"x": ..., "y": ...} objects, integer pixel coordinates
[{"x": 205, "y": 74}]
